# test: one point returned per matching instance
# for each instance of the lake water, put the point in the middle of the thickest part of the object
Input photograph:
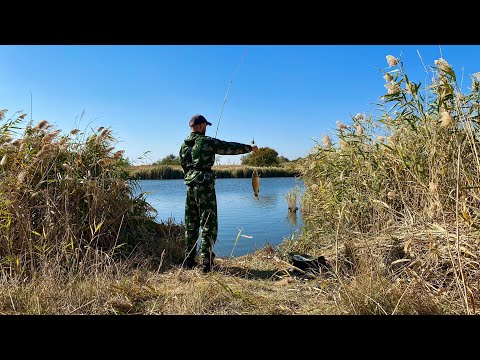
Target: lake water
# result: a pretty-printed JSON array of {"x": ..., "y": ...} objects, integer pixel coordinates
[{"x": 261, "y": 221}]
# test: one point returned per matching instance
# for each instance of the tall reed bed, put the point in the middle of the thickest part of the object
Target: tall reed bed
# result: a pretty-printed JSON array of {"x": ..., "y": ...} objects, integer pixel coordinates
[
  {"x": 246, "y": 171},
  {"x": 396, "y": 199},
  {"x": 66, "y": 202},
  {"x": 157, "y": 172}
]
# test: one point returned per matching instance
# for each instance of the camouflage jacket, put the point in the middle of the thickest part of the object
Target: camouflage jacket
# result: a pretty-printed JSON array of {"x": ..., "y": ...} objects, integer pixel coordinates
[{"x": 197, "y": 156}]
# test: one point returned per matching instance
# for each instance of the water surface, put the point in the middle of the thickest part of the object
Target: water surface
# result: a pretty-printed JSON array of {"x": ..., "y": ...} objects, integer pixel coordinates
[{"x": 261, "y": 221}]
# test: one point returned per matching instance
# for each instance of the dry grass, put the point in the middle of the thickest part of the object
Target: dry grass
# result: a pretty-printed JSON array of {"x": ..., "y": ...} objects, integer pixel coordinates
[
  {"x": 254, "y": 284},
  {"x": 258, "y": 283},
  {"x": 399, "y": 195},
  {"x": 66, "y": 204},
  {"x": 291, "y": 197}
]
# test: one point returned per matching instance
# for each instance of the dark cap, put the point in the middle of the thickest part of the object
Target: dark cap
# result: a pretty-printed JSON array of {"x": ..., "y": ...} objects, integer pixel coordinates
[{"x": 198, "y": 119}]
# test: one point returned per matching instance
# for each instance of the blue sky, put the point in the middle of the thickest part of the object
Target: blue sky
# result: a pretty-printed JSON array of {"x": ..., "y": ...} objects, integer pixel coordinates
[{"x": 282, "y": 95}]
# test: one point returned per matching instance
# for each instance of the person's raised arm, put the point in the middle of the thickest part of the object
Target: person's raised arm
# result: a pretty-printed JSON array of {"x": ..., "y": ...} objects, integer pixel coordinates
[{"x": 231, "y": 148}]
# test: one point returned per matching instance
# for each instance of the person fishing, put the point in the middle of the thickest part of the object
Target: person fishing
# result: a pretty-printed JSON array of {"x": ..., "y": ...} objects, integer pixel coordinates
[{"x": 197, "y": 156}]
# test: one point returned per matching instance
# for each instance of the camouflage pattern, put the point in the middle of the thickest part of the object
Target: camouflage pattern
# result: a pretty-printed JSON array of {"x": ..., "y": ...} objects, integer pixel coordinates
[
  {"x": 203, "y": 149},
  {"x": 201, "y": 211},
  {"x": 197, "y": 156}
]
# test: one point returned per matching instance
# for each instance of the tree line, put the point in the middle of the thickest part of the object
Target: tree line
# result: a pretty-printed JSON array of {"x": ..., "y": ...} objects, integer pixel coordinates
[{"x": 265, "y": 156}]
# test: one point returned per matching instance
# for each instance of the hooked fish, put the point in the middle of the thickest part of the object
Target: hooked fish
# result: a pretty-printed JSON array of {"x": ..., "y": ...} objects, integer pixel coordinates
[{"x": 255, "y": 183}]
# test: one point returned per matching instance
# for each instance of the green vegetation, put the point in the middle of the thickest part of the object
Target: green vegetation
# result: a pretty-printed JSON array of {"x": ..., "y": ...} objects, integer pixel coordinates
[
  {"x": 168, "y": 160},
  {"x": 266, "y": 160},
  {"x": 152, "y": 172},
  {"x": 265, "y": 156},
  {"x": 155, "y": 172}
]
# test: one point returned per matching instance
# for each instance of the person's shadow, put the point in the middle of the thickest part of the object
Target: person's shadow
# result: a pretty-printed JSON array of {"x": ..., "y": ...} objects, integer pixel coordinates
[
  {"x": 253, "y": 274},
  {"x": 300, "y": 265}
]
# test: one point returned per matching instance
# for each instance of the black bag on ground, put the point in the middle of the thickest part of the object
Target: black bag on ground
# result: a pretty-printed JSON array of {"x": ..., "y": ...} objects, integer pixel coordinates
[{"x": 306, "y": 262}]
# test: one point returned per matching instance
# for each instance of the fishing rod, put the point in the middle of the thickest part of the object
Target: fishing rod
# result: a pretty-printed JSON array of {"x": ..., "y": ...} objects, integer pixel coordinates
[
  {"x": 228, "y": 90},
  {"x": 255, "y": 180}
]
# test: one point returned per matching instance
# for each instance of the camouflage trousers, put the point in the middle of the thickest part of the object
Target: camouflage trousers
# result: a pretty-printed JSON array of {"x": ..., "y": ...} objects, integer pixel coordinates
[{"x": 201, "y": 212}]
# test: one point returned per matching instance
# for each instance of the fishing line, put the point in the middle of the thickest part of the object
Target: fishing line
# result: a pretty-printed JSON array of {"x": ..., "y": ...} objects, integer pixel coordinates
[
  {"x": 265, "y": 212},
  {"x": 228, "y": 90}
]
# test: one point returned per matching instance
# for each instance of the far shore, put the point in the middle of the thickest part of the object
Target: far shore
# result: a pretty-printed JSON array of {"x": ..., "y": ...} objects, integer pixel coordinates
[{"x": 161, "y": 172}]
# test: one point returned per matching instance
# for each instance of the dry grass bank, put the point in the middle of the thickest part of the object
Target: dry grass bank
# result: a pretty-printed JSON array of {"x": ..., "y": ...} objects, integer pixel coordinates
[{"x": 258, "y": 283}]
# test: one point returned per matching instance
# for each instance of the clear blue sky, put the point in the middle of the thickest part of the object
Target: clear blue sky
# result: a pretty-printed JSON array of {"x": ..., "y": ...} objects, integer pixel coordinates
[{"x": 282, "y": 95}]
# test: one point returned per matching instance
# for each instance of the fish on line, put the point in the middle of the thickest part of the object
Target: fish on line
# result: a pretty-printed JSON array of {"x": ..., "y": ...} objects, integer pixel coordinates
[{"x": 255, "y": 183}]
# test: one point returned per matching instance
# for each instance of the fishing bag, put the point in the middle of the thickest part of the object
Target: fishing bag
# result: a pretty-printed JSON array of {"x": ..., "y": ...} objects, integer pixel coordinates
[{"x": 306, "y": 262}]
